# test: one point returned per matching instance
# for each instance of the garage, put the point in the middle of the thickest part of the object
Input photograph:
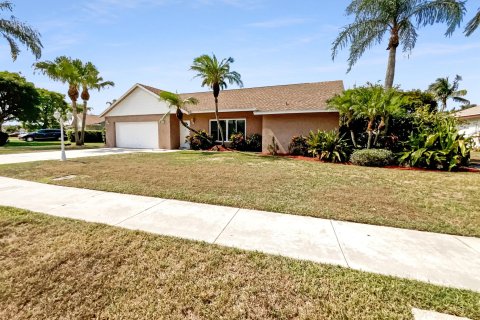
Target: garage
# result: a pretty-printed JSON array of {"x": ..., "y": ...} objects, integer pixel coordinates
[{"x": 140, "y": 135}]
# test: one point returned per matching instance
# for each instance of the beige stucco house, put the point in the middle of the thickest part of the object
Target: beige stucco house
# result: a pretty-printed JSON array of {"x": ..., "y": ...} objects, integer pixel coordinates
[
  {"x": 137, "y": 119},
  {"x": 470, "y": 123}
]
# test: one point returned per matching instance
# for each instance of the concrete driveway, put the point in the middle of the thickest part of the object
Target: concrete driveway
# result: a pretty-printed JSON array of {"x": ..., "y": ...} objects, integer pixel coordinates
[{"x": 71, "y": 154}]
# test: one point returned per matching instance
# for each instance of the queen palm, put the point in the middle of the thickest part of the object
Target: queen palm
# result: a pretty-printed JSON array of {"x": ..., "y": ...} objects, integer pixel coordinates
[
  {"x": 89, "y": 79},
  {"x": 473, "y": 24},
  {"x": 443, "y": 90},
  {"x": 216, "y": 74},
  {"x": 397, "y": 19},
  {"x": 16, "y": 31},
  {"x": 65, "y": 70}
]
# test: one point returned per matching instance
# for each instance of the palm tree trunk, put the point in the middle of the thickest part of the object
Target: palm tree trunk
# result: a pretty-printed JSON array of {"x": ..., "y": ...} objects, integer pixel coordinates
[
  {"x": 444, "y": 105},
  {"x": 370, "y": 133},
  {"x": 75, "y": 122},
  {"x": 352, "y": 136},
  {"x": 392, "y": 57},
  {"x": 84, "y": 120},
  {"x": 218, "y": 122}
]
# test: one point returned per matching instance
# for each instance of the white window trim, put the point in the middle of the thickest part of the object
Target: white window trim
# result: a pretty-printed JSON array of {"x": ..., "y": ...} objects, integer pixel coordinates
[{"x": 226, "y": 129}]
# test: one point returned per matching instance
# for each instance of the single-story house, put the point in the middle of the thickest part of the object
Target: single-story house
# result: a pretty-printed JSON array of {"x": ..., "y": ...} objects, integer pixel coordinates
[
  {"x": 92, "y": 122},
  {"x": 470, "y": 123},
  {"x": 138, "y": 119}
]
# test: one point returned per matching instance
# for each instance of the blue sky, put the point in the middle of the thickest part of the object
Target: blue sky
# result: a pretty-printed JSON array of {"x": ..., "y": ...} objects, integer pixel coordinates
[{"x": 273, "y": 42}]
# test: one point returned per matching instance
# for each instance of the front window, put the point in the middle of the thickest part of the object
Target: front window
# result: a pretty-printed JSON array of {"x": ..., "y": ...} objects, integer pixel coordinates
[{"x": 229, "y": 127}]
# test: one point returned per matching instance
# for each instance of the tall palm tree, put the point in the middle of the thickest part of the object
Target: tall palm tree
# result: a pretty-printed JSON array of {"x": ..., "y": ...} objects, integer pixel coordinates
[
  {"x": 65, "y": 70},
  {"x": 443, "y": 90},
  {"x": 399, "y": 19},
  {"x": 16, "y": 31},
  {"x": 473, "y": 24},
  {"x": 89, "y": 79},
  {"x": 215, "y": 74}
]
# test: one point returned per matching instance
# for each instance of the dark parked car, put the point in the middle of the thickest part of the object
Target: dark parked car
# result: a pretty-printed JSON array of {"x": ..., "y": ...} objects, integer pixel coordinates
[{"x": 41, "y": 135}]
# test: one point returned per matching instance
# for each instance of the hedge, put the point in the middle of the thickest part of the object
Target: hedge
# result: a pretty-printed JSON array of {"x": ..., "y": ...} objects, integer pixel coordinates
[{"x": 90, "y": 136}]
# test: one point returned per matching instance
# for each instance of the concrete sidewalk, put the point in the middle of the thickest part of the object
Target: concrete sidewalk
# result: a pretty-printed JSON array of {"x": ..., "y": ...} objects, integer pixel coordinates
[
  {"x": 436, "y": 258},
  {"x": 71, "y": 154}
]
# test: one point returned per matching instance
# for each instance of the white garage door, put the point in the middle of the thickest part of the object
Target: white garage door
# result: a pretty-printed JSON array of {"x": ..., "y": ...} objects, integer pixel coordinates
[{"x": 140, "y": 135}]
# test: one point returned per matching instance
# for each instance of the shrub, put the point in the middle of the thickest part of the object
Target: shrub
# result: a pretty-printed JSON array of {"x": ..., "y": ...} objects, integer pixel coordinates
[
  {"x": 238, "y": 142},
  {"x": 254, "y": 143},
  {"x": 437, "y": 144},
  {"x": 3, "y": 138},
  {"x": 328, "y": 146},
  {"x": 90, "y": 136},
  {"x": 200, "y": 141},
  {"x": 372, "y": 157},
  {"x": 273, "y": 147},
  {"x": 298, "y": 146}
]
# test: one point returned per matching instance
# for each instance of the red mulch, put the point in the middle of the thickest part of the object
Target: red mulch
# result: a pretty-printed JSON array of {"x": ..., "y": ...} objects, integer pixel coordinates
[{"x": 303, "y": 158}]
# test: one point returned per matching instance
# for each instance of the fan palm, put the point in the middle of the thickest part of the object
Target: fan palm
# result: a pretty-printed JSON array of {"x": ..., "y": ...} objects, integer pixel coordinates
[
  {"x": 89, "y": 79},
  {"x": 399, "y": 19},
  {"x": 176, "y": 101},
  {"x": 216, "y": 74},
  {"x": 473, "y": 24},
  {"x": 65, "y": 70},
  {"x": 16, "y": 31},
  {"x": 443, "y": 90}
]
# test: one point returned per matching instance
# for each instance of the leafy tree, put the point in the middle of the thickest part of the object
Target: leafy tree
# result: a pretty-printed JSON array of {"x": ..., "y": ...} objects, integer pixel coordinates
[
  {"x": 473, "y": 24},
  {"x": 18, "y": 98},
  {"x": 399, "y": 19},
  {"x": 16, "y": 31},
  {"x": 176, "y": 101},
  {"x": 49, "y": 102},
  {"x": 89, "y": 79},
  {"x": 65, "y": 70},
  {"x": 443, "y": 90},
  {"x": 215, "y": 74}
]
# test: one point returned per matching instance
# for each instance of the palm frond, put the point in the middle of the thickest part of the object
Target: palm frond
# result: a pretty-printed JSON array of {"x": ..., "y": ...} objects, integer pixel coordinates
[
  {"x": 22, "y": 33},
  {"x": 473, "y": 24},
  {"x": 450, "y": 12}
]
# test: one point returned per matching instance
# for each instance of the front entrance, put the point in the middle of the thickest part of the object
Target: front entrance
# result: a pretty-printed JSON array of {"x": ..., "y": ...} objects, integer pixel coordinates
[{"x": 184, "y": 133}]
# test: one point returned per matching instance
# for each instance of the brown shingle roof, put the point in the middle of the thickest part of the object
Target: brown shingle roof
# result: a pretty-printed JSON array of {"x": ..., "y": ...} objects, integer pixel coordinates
[
  {"x": 284, "y": 98},
  {"x": 470, "y": 112}
]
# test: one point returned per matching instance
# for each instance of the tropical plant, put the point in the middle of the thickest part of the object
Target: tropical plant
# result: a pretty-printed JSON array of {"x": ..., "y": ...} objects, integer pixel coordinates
[
  {"x": 254, "y": 143},
  {"x": 372, "y": 157},
  {"x": 16, "y": 31},
  {"x": 443, "y": 90},
  {"x": 298, "y": 146},
  {"x": 216, "y": 75},
  {"x": 437, "y": 145},
  {"x": 65, "y": 70},
  {"x": 473, "y": 24},
  {"x": 238, "y": 142},
  {"x": 89, "y": 79},
  {"x": 273, "y": 147},
  {"x": 399, "y": 19},
  {"x": 328, "y": 146},
  {"x": 18, "y": 98},
  {"x": 200, "y": 141}
]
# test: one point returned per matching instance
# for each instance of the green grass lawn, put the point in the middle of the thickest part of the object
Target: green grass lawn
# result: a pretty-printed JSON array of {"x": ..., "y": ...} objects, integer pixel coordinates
[
  {"x": 18, "y": 146},
  {"x": 431, "y": 201},
  {"x": 59, "y": 268}
]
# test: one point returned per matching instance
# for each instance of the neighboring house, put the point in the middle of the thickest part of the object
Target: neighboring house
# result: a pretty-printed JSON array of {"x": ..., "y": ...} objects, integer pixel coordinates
[
  {"x": 93, "y": 122},
  {"x": 470, "y": 123},
  {"x": 137, "y": 119}
]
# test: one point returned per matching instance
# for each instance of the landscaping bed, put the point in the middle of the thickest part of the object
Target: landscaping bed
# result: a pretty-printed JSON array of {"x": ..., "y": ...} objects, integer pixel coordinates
[
  {"x": 424, "y": 200},
  {"x": 60, "y": 268}
]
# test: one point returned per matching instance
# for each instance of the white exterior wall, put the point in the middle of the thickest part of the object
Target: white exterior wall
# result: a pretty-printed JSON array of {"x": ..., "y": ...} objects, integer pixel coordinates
[
  {"x": 471, "y": 128},
  {"x": 139, "y": 102}
]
